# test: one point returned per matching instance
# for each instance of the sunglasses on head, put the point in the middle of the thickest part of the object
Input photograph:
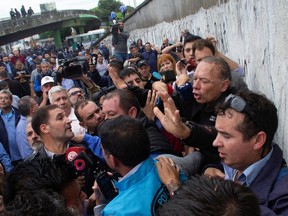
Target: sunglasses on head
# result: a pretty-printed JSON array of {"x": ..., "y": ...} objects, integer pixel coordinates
[{"x": 240, "y": 105}]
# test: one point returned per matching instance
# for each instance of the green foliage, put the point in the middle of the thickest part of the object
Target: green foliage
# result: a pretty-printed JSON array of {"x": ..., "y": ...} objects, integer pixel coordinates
[
  {"x": 64, "y": 32},
  {"x": 109, "y": 5},
  {"x": 129, "y": 8},
  {"x": 47, "y": 34},
  {"x": 105, "y": 7},
  {"x": 103, "y": 11}
]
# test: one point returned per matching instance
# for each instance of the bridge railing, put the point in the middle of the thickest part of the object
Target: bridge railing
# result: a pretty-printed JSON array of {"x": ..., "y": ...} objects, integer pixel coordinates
[{"x": 11, "y": 26}]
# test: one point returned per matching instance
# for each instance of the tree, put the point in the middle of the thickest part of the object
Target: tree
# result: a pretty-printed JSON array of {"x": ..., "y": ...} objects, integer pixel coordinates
[
  {"x": 64, "y": 32},
  {"x": 105, "y": 7}
]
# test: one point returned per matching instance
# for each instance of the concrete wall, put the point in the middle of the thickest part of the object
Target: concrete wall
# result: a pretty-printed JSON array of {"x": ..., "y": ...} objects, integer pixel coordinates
[{"x": 252, "y": 32}]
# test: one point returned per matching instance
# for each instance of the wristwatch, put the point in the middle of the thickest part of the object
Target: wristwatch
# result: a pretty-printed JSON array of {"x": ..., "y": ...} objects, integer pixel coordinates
[{"x": 191, "y": 126}]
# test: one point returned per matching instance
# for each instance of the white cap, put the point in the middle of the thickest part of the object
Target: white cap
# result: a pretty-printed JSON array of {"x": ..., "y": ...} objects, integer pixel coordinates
[{"x": 46, "y": 79}]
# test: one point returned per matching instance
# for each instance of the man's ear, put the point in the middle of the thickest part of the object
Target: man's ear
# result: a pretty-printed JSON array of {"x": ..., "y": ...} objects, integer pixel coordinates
[
  {"x": 260, "y": 140},
  {"x": 44, "y": 128},
  {"x": 225, "y": 85},
  {"x": 113, "y": 161},
  {"x": 132, "y": 112}
]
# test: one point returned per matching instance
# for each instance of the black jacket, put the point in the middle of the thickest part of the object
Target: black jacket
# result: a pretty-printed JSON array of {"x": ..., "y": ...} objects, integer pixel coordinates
[
  {"x": 158, "y": 143},
  {"x": 4, "y": 133},
  {"x": 201, "y": 118}
]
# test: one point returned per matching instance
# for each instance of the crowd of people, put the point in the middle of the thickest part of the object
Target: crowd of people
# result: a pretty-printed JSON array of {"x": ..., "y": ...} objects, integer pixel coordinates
[
  {"x": 173, "y": 130},
  {"x": 15, "y": 14}
]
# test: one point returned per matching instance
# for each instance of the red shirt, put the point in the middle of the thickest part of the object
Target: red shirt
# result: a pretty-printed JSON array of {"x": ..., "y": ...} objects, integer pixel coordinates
[{"x": 14, "y": 59}]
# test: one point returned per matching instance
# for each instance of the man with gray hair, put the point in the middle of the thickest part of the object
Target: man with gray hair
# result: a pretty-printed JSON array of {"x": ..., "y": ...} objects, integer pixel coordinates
[{"x": 59, "y": 96}]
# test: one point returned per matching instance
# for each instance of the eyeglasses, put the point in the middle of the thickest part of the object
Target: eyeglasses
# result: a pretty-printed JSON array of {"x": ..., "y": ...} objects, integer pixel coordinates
[
  {"x": 239, "y": 104},
  {"x": 76, "y": 92}
]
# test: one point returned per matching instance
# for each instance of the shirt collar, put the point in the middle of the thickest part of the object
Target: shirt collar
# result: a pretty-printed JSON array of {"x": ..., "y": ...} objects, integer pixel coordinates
[
  {"x": 250, "y": 173},
  {"x": 8, "y": 114},
  {"x": 131, "y": 172},
  {"x": 51, "y": 154}
]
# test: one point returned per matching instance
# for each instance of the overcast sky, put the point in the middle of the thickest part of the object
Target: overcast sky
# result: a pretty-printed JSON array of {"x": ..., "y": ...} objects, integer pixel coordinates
[{"x": 6, "y": 5}]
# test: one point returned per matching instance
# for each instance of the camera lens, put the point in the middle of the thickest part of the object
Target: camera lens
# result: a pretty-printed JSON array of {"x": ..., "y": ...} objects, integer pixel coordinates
[{"x": 79, "y": 164}]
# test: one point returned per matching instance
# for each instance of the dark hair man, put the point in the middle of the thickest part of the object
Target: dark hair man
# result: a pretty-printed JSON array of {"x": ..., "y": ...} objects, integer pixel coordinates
[
  {"x": 120, "y": 37},
  {"x": 9, "y": 118},
  {"x": 14, "y": 86},
  {"x": 90, "y": 116},
  {"x": 123, "y": 102},
  {"x": 125, "y": 145},
  {"x": 54, "y": 128},
  {"x": 246, "y": 124},
  {"x": 117, "y": 103},
  {"x": 150, "y": 55},
  {"x": 132, "y": 77},
  {"x": 43, "y": 175},
  {"x": 134, "y": 56},
  {"x": 146, "y": 74},
  {"x": 8, "y": 66},
  {"x": 211, "y": 196}
]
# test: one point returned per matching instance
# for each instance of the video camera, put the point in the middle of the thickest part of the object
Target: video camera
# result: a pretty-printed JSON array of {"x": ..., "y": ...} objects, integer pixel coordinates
[
  {"x": 168, "y": 76},
  {"x": 103, "y": 91},
  {"x": 115, "y": 28},
  {"x": 71, "y": 68}
]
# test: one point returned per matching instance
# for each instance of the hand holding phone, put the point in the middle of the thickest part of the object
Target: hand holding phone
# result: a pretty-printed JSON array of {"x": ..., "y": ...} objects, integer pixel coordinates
[{"x": 106, "y": 186}]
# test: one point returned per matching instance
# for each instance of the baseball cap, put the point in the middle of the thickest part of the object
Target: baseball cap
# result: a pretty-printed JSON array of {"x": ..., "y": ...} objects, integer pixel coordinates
[
  {"x": 142, "y": 62},
  {"x": 46, "y": 79}
]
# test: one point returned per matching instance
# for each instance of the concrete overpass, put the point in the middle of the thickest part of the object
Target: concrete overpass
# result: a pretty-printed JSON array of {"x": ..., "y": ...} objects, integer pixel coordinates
[{"x": 12, "y": 30}]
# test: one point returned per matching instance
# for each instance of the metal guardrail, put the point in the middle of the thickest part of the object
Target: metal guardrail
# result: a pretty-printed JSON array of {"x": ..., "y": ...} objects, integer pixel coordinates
[{"x": 45, "y": 18}]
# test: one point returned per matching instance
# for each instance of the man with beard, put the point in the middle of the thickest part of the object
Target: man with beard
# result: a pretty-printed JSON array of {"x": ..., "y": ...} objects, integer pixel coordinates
[
  {"x": 76, "y": 94},
  {"x": 33, "y": 139},
  {"x": 119, "y": 40},
  {"x": 54, "y": 129},
  {"x": 150, "y": 55},
  {"x": 90, "y": 116}
]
